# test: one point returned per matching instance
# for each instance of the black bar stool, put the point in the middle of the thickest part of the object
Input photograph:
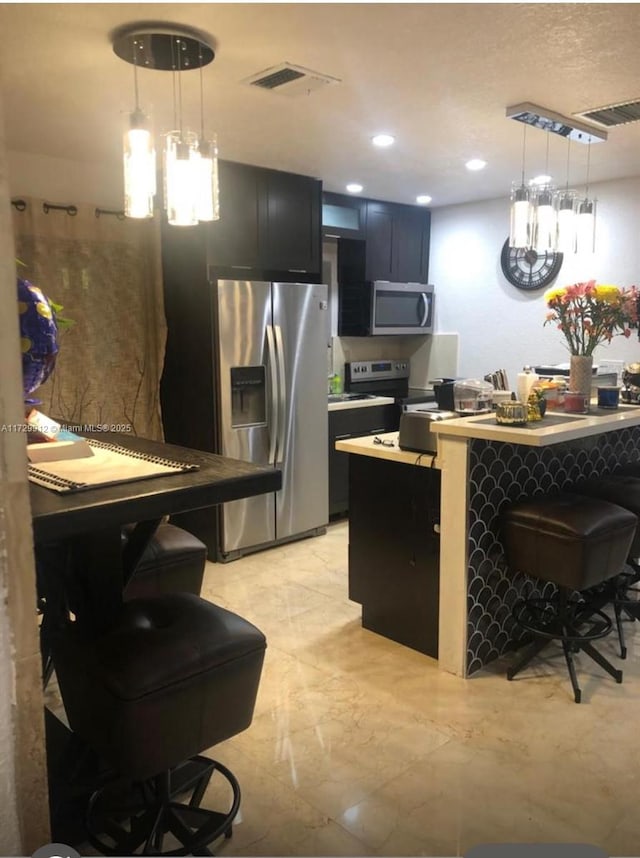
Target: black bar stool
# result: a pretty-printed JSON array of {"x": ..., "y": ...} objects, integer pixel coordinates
[
  {"x": 622, "y": 488},
  {"x": 175, "y": 676},
  {"x": 575, "y": 542}
]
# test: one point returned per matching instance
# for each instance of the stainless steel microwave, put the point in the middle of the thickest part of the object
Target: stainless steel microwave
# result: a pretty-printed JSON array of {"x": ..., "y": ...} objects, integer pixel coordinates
[
  {"x": 379, "y": 307},
  {"x": 401, "y": 308}
]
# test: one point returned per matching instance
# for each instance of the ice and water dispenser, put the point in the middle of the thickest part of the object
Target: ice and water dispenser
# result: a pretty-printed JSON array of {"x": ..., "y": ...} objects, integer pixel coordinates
[{"x": 248, "y": 396}]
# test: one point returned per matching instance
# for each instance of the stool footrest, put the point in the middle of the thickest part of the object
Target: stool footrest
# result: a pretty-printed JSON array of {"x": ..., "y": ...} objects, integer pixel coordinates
[{"x": 146, "y": 818}]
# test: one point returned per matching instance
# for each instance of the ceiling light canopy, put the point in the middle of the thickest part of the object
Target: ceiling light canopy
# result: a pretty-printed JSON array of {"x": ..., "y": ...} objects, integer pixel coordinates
[
  {"x": 190, "y": 159},
  {"x": 354, "y": 188},
  {"x": 549, "y": 120},
  {"x": 423, "y": 199},
  {"x": 476, "y": 164}
]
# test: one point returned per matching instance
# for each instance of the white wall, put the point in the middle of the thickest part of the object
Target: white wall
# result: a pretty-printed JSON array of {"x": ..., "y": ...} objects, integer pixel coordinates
[
  {"x": 59, "y": 180},
  {"x": 501, "y": 326}
]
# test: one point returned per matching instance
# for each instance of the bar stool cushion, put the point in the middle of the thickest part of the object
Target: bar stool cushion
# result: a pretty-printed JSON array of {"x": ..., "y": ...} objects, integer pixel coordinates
[
  {"x": 173, "y": 562},
  {"x": 569, "y": 539},
  {"x": 622, "y": 489},
  {"x": 176, "y": 675}
]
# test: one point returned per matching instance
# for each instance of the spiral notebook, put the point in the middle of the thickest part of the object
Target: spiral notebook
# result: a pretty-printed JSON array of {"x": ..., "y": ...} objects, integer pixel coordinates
[{"x": 109, "y": 464}]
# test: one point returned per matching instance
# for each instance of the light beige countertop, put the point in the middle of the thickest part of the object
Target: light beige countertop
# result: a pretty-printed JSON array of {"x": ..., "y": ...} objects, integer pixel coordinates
[
  {"x": 361, "y": 403},
  {"x": 365, "y": 446},
  {"x": 555, "y": 428}
]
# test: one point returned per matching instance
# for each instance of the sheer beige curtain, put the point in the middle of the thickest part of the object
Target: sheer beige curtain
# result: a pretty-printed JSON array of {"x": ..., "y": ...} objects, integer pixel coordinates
[{"x": 106, "y": 273}]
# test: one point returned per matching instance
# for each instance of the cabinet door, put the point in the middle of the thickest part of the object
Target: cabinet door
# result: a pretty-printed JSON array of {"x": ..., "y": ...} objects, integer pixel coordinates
[
  {"x": 235, "y": 239},
  {"x": 410, "y": 245},
  {"x": 397, "y": 240},
  {"x": 292, "y": 206},
  {"x": 379, "y": 240},
  {"x": 342, "y": 216},
  {"x": 351, "y": 423}
]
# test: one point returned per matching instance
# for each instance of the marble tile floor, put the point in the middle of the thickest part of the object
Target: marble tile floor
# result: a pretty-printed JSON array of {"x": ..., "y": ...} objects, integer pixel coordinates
[{"x": 360, "y": 746}]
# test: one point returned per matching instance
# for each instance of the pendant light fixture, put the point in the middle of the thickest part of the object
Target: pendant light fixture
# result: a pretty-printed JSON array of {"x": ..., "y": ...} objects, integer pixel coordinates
[
  {"x": 565, "y": 206},
  {"x": 139, "y": 156},
  {"x": 586, "y": 217},
  {"x": 190, "y": 161},
  {"x": 543, "y": 223},
  {"x": 208, "y": 206},
  {"x": 520, "y": 214},
  {"x": 553, "y": 227}
]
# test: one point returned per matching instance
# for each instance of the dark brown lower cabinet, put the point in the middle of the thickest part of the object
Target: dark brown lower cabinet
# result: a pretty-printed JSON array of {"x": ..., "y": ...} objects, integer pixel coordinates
[
  {"x": 353, "y": 423},
  {"x": 394, "y": 549}
]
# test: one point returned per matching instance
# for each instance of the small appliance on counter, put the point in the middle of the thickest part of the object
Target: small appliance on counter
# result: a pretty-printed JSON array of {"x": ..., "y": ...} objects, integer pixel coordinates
[
  {"x": 443, "y": 390},
  {"x": 631, "y": 383},
  {"x": 415, "y": 430},
  {"x": 472, "y": 396}
]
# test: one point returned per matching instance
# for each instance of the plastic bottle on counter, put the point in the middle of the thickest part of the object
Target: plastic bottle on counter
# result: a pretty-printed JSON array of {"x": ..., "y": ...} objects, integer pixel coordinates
[
  {"x": 336, "y": 383},
  {"x": 526, "y": 379}
]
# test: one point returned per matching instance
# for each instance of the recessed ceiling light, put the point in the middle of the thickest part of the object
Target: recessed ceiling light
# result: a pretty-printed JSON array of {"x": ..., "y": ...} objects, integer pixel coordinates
[
  {"x": 423, "y": 199},
  {"x": 541, "y": 180},
  {"x": 383, "y": 140},
  {"x": 476, "y": 164},
  {"x": 354, "y": 188}
]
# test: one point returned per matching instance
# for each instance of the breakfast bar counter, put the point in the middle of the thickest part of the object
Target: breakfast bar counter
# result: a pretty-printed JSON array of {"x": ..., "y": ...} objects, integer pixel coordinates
[{"x": 483, "y": 467}]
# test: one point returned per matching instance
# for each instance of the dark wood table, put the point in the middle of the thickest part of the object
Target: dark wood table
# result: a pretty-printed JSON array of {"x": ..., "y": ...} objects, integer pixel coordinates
[{"x": 82, "y": 564}]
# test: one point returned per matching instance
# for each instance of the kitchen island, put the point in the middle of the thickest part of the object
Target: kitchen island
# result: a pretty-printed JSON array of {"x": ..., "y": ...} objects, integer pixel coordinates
[{"x": 483, "y": 468}]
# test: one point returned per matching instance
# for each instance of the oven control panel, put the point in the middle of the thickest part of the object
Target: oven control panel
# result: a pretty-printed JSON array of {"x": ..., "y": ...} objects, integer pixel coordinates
[{"x": 376, "y": 370}]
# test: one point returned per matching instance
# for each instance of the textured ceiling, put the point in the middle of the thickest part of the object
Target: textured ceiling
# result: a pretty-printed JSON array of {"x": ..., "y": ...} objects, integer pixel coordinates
[{"x": 437, "y": 76}]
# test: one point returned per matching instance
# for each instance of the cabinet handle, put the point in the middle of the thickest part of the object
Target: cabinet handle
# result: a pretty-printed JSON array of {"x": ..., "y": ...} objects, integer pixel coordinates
[
  {"x": 377, "y": 431},
  {"x": 297, "y": 270},
  {"x": 329, "y": 235},
  {"x": 342, "y": 437},
  {"x": 243, "y": 267}
]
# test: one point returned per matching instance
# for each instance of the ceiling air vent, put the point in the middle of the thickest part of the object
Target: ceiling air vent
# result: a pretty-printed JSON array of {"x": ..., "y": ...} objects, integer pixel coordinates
[
  {"x": 287, "y": 79},
  {"x": 614, "y": 114}
]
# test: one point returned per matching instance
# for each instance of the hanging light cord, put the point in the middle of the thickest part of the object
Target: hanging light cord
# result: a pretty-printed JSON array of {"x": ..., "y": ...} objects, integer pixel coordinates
[
  {"x": 524, "y": 150},
  {"x": 135, "y": 74},
  {"x": 179, "y": 88},
  {"x": 568, "y": 159},
  {"x": 173, "y": 84},
  {"x": 201, "y": 94},
  {"x": 586, "y": 193},
  {"x": 546, "y": 160}
]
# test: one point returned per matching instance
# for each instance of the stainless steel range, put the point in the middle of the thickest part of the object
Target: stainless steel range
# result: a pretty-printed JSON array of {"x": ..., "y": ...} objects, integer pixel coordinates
[{"x": 385, "y": 378}]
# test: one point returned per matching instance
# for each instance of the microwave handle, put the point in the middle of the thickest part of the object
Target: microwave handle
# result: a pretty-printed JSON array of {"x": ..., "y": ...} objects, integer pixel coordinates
[{"x": 425, "y": 301}]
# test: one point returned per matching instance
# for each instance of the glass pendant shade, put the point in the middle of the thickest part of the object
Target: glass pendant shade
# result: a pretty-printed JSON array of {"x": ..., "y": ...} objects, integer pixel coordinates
[
  {"x": 586, "y": 226},
  {"x": 520, "y": 220},
  {"x": 139, "y": 157},
  {"x": 208, "y": 206},
  {"x": 181, "y": 178},
  {"x": 544, "y": 221},
  {"x": 565, "y": 205}
]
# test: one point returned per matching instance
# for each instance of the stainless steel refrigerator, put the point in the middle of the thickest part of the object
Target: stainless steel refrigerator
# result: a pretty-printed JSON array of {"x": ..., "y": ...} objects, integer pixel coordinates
[{"x": 272, "y": 342}]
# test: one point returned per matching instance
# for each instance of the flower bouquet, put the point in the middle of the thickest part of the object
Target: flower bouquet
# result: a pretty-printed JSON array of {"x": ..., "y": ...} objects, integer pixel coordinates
[{"x": 589, "y": 314}]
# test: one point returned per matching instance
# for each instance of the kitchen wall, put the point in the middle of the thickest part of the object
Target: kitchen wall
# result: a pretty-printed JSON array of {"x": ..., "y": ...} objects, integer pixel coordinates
[{"x": 501, "y": 326}]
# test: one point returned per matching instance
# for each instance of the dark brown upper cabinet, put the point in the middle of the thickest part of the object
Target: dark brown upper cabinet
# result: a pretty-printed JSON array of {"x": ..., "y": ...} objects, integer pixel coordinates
[
  {"x": 269, "y": 225},
  {"x": 342, "y": 216},
  {"x": 397, "y": 242}
]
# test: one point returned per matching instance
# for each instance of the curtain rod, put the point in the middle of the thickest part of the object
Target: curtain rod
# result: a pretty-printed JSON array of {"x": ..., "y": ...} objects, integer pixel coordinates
[{"x": 21, "y": 205}]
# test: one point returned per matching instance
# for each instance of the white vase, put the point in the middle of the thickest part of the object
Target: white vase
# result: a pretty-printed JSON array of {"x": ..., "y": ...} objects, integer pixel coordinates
[{"x": 580, "y": 374}]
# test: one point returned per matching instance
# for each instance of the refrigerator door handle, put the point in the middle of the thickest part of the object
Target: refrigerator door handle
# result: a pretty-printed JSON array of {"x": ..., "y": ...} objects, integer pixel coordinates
[
  {"x": 281, "y": 393},
  {"x": 273, "y": 371}
]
